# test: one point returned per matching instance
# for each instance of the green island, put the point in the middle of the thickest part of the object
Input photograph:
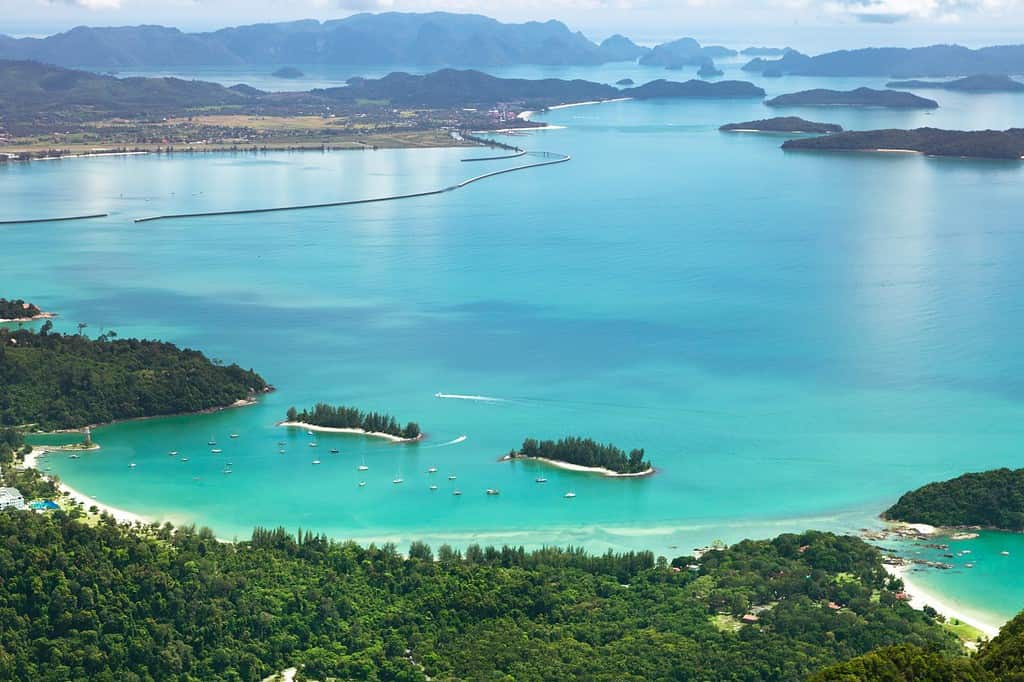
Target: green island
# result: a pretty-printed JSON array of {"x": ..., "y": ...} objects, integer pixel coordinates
[
  {"x": 981, "y": 144},
  {"x": 861, "y": 97},
  {"x": 17, "y": 310},
  {"x": 289, "y": 72},
  {"x": 979, "y": 83},
  {"x": 57, "y": 381},
  {"x": 783, "y": 124},
  {"x": 341, "y": 418},
  {"x": 584, "y": 454},
  {"x": 991, "y": 499}
]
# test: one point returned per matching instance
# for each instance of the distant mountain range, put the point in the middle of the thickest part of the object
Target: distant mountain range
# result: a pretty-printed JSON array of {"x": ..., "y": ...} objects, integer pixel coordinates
[
  {"x": 898, "y": 62},
  {"x": 390, "y": 38}
]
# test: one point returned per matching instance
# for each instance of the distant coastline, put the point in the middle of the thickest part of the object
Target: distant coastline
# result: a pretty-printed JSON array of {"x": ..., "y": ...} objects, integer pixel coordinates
[
  {"x": 33, "y": 318},
  {"x": 352, "y": 431}
]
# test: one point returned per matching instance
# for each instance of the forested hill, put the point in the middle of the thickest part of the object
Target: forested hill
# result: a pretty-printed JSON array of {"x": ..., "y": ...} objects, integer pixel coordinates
[
  {"x": 99, "y": 602},
  {"x": 55, "y": 381},
  {"x": 980, "y": 144},
  {"x": 860, "y": 97},
  {"x": 429, "y": 39},
  {"x": 993, "y": 499}
]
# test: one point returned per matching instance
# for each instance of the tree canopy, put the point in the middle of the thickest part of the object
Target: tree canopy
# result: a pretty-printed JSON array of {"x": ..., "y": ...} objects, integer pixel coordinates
[{"x": 993, "y": 499}]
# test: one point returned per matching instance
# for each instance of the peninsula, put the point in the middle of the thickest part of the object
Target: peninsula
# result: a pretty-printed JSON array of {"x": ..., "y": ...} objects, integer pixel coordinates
[
  {"x": 341, "y": 419},
  {"x": 981, "y": 83},
  {"x": 20, "y": 311},
  {"x": 979, "y": 144},
  {"x": 782, "y": 124},
  {"x": 56, "y": 381},
  {"x": 992, "y": 499},
  {"x": 584, "y": 454},
  {"x": 861, "y": 97}
]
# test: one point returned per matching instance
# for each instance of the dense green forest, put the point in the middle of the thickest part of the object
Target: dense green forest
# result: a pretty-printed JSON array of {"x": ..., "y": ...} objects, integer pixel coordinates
[
  {"x": 1001, "y": 660},
  {"x": 17, "y": 309},
  {"x": 96, "y": 601},
  {"x": 59, "y": 381},
  {"x": 993, "y": 499},
  {"x": 860, "y": 97},
  {"x": 585, "y": 452},
  {"x": 342, "y": 417}
]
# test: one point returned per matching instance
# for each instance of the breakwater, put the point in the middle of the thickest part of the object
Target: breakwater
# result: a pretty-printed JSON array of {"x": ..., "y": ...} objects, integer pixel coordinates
[
  {"x": 29, "y": 221},
  {"x": 547, "y": 159}
]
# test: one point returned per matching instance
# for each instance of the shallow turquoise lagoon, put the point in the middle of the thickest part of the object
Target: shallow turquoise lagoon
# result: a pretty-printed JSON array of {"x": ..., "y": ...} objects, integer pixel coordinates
[{"x": 795, "y": 339}]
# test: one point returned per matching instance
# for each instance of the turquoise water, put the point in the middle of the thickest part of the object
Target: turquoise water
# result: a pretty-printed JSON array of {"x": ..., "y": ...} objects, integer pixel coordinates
[
  {"x": 796, "y": 339},
  {"x": 990, "y": 589}
]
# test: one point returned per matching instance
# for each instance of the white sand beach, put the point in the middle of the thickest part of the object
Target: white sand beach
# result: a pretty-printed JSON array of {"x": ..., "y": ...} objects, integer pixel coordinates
[
  {"x": 578, "y": 467},
  {"x": 32, "y": 461},
  {"x": 357, "y": 432},
  {"x": 919, "y": 598}
]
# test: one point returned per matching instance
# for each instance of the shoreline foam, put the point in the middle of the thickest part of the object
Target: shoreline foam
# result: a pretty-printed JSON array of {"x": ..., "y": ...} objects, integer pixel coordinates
[{"x": 355, "y": 432}]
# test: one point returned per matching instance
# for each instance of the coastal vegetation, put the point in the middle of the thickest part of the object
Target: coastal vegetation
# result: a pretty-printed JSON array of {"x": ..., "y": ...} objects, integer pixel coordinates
[
  {"x": 57, "y": 381},
  {"x": 99, "y": 601},
  {"x": 982, "y": 144},
  {"x": 784, "y": 124},
  {"x": 992, "y": 499},
  {"x": 584, "y": 452},
  {"x": 980, "y": 83},
  {"x": 861, "y": 97},
  {"x": 18, "y": 309},
  {"x": 341, "y": 417}
]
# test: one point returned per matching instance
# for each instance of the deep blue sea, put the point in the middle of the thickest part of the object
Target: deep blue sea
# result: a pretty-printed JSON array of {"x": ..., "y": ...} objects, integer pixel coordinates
[{"x": 794, "y": 338}]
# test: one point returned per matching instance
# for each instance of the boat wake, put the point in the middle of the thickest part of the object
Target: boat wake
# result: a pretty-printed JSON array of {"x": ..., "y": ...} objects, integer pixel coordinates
[
  {"x": 477, "y": 398},
  {"x": 455, "y": 441}
]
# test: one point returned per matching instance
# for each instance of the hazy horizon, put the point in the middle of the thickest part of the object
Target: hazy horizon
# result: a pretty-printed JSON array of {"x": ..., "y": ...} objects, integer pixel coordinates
[{"x": 809, "y": 25}]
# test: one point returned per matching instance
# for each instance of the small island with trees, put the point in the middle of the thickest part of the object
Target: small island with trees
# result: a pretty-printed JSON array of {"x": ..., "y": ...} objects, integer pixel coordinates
[
  {"x": 992, "y": 499},
  {"x": 289, "y": 72},
  {"x": 861, "y": 97},
  {"x": 782, "y": 124},
  {"x": 56, "y": 381},
  {"x": 978, "y": 144},
  {"x": 980, "y": 83},
  {"x": 341, "y": 419},
  {"x": 17, "y": 310},
  {"x": 584, "y": 454}
]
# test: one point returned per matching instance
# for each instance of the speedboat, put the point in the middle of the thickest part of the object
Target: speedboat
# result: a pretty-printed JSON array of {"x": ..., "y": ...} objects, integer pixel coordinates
[
  {"x": 362, "y": 484},
  {"x": 335, "y": 451},
  {"x": 309, "y": 433},
  {"x": 432, "y": 470},
  {"x": 216, "y": 451},
  {"x": 74, "y": 456},
  {"x": 184, "y": 459},
  {"x": 569, "y": 496},
  {"x": 540, "y": 479},
  {"x": 132, "y": 465},
  {"x": 234, "y": 435},
  {"x": 173, "y": 453},
  {"x": 451, "y": 477},
  {"x": 493, "y": 492},
  {"x": 362, "y": 467},
  {"x": 316, "y": 461},
  {"x": 433, "y": 487},
  {"x": 456, "y": 493},
  {"x": 313, "y": 444},
  {"x": 398, "y": 480}
]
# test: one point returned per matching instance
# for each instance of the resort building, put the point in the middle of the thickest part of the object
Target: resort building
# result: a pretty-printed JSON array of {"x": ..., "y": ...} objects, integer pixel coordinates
[{"x": 10, "y": 498}]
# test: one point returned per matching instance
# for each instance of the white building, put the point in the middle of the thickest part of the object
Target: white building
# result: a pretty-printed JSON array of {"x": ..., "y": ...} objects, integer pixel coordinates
[{"x": 10, "y": 498}]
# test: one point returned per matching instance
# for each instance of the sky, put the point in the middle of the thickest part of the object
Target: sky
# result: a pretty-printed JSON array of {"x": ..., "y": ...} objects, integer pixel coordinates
[{"x": 811, "y": 25}]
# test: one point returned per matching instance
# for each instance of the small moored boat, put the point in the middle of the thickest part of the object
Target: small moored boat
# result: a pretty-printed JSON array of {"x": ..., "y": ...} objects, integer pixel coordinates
[
  {"x": 540, "y": 479},
  {"x": 316, "y": 461},
  {"x": 493, "y": 492},
  {"x": 216, "y": 451},
  {"x": 569, "y": 496}
]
